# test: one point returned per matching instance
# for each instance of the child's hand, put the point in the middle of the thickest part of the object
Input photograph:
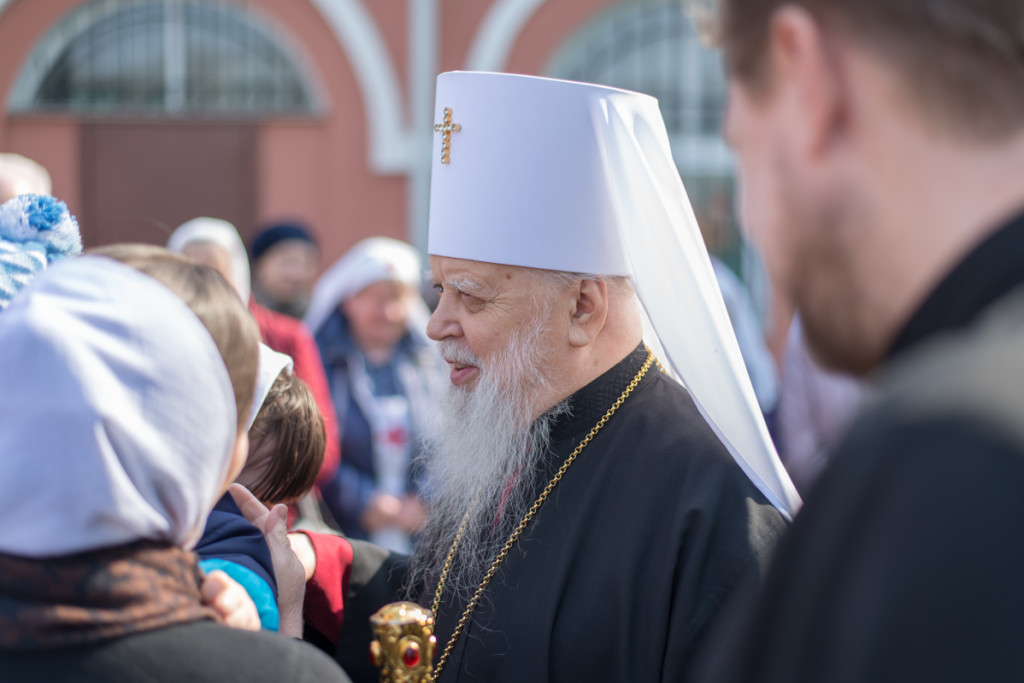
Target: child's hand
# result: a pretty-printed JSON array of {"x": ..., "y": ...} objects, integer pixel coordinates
[{"x": 227, "y": 597}]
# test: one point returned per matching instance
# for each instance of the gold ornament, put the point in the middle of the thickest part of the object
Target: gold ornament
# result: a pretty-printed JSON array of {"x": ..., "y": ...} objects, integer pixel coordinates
[
  {"x": 446, "y": 128},
  {"x": 404, "y": 643}
]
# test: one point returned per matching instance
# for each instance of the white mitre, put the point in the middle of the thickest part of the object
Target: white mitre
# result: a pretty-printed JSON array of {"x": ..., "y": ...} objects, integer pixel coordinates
[{"x": 577, "y": 177}]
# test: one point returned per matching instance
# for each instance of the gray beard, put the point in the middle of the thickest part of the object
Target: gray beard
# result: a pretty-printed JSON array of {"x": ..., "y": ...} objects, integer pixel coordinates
[{"x": 483, "y": 458}]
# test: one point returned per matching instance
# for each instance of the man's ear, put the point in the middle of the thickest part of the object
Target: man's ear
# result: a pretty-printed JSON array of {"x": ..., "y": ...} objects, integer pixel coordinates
[
  {"x": 806, "y": 59},
  {"x": 588, "y": 312}
]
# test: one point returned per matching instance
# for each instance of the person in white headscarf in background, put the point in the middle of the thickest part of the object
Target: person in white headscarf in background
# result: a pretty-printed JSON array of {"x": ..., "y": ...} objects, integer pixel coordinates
[
  {"x": 123, "y": 423},
  {"x": 216, "y": 243},
  {"x": 368, "y": 319}
]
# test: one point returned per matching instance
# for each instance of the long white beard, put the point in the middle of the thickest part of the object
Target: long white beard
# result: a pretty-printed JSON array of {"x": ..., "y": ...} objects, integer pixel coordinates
[{"x": 484, "y": 452}]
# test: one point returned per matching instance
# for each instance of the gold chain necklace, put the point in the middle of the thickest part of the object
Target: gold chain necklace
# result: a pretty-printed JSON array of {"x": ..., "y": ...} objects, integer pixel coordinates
[{"x": 507, "y": 548}]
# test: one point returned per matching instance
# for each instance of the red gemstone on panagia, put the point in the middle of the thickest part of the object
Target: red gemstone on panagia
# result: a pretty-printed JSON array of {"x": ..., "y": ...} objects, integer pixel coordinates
[{"x": 411, "y": 655}]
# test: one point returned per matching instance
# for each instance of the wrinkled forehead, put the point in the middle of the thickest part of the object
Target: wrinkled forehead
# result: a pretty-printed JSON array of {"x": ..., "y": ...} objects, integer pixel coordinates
[{"x": 464, "y": 273}]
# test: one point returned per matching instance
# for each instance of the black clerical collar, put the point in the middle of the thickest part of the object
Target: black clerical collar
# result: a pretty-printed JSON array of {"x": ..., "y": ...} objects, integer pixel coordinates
[
  {"x": 587, "y": 405},
  {"x": 986, "y": 274}
]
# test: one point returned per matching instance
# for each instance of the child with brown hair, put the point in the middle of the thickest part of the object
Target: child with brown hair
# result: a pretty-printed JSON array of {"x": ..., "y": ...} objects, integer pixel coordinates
[
  {"x": 286, "y": 447},
  {"x": 286, "y": 442}
]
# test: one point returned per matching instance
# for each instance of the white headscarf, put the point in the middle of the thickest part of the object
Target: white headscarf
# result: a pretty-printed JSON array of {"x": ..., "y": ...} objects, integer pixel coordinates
[
  {"x": 375, "y": 259},
  {"x": 272, "y": 364},
  {"x": 118, "y": 417},
  {"x": 224, "y": 235}
]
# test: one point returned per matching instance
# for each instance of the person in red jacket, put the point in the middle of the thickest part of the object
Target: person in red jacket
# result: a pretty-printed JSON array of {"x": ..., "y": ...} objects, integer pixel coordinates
[{"x": 216, "y": 243}]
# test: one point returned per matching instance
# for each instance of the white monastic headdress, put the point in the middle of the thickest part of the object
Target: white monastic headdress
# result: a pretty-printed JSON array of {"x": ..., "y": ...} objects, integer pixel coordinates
[{"x": 576, "y": 177}]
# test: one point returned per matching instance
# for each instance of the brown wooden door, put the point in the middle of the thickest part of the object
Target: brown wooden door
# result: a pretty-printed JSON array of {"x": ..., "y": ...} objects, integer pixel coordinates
[{"x": 140, "y": 180}]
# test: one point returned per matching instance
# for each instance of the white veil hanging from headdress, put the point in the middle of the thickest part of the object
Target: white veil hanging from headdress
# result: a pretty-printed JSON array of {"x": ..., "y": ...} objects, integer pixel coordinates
[{"x": 676, "y": 283}]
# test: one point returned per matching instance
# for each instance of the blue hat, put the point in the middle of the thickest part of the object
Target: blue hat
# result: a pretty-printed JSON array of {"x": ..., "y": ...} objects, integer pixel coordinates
[
  {"x": 279, "y": 233},
  {"x": 35, "y": 230}
]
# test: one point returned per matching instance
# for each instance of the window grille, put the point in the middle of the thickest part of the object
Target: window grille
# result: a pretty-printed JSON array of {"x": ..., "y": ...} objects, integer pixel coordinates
[
  {"x": 164, "y": 57},
  {"x": 654, "y": 48}
]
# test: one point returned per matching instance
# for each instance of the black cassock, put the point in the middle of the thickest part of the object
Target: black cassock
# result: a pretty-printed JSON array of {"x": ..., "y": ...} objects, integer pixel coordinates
[
  {"x": 650, "y": 541},
  {"x": 623, "y": 571},
  {"x": 906, "y": 561}
]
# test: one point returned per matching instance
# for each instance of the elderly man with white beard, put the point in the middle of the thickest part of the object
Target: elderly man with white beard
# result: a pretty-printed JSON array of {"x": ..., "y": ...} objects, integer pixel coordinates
[{"x": 590, "y": 518}]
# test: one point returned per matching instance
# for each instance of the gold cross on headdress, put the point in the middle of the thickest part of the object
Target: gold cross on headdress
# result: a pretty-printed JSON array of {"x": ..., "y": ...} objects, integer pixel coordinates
[{"x": 446, "y": 128}]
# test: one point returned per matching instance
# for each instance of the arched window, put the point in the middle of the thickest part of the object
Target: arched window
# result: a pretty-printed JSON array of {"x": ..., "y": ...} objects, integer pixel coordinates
[
  {"x": 169, "y": 57},
  {"x": 652, "y": 46}
]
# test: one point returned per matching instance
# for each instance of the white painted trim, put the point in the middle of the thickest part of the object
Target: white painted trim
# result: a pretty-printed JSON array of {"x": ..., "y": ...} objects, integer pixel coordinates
[
  {"x": 498, "y": 32},
  {"x": 391, "y": 145},
  {"x": 423, "y": 40}
]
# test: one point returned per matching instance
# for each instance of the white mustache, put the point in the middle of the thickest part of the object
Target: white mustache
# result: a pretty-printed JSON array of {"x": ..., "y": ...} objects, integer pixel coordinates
[{"x": 456, "y": 354}]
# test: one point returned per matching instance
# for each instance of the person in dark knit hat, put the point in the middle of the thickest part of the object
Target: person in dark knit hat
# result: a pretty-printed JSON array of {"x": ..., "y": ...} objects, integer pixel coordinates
[{"x": 285, "y": 259}]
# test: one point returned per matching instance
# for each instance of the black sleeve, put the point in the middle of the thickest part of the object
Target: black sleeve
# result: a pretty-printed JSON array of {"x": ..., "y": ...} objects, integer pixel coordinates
[
  {"x": 904, "y": 565},
  {"x": 376, "y": 579}
]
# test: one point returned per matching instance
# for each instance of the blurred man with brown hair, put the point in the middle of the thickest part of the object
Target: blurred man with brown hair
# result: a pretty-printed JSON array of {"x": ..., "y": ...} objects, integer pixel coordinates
[{"x": 881, "y": 144}]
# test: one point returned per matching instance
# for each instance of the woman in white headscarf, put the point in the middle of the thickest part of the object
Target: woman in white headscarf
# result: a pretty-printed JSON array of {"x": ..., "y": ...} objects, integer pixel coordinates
[
  {"x": 369, "y": 321},
  {"x": 123, "y": 422}
]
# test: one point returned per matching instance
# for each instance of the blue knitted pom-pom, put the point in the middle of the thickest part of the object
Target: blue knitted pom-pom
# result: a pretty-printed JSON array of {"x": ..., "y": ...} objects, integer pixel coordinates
[
  {"x": 43, "y": 219},
  {"x": 34, "y": 230},
  {"x": 44, "y": 212}
]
